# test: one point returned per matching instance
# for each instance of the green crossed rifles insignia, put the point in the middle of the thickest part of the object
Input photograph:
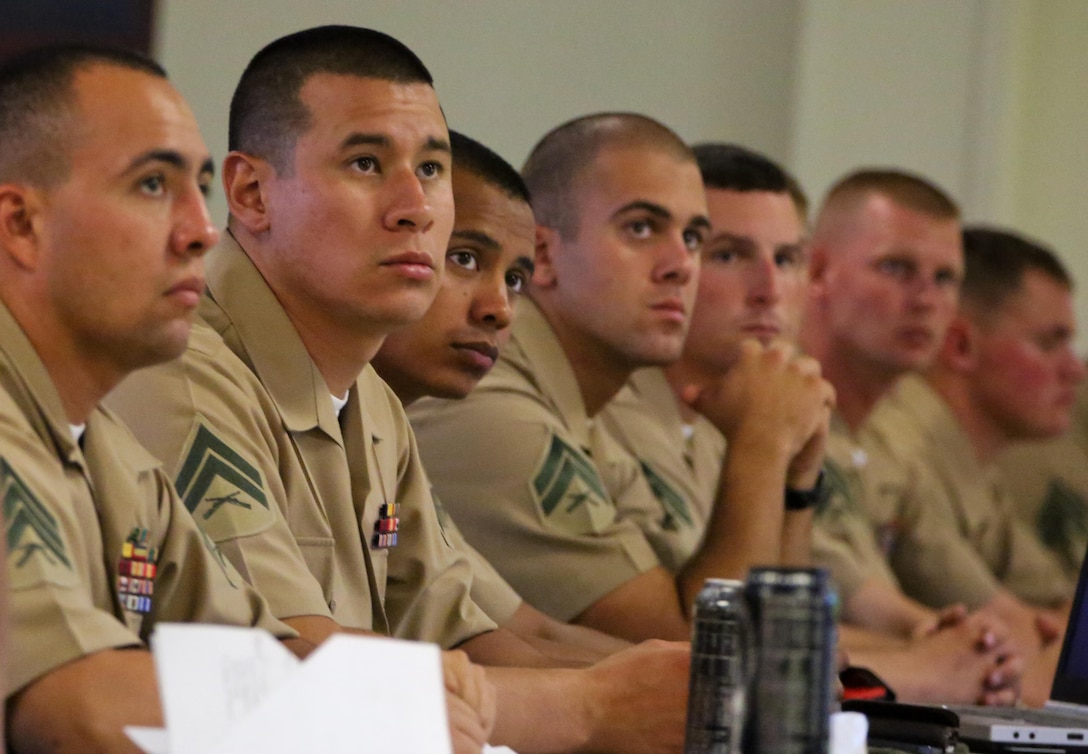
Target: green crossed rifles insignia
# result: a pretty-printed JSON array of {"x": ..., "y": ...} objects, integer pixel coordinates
[
  {"x": 569, "y": 491},
  {"x": 36, "y": 550},
  {"x": 224, "y": 492},
  {"x": 677, "y": 513}
]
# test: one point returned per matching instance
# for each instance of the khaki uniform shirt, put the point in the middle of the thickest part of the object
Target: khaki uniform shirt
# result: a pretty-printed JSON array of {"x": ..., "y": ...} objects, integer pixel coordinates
[
  {"x": 1048, "y": 485},
  {"x": 854, "y": 533},
  {"x": 100, "y": 549},
  {"x": 681, "y": 462},
  {"x": 489, "y": 589},
  {"x": 535, "y": 486},
  {"x": 272, "y": 473},
  {"x": 966, "y": 539}
]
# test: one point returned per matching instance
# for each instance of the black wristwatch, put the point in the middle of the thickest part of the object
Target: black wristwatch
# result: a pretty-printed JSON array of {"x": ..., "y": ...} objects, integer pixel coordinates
[{"x": 799, "y": 500}]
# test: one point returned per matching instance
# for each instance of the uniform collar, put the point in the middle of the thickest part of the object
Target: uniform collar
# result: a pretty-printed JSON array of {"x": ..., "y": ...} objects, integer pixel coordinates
[
  {"x": 650, "y": 388},
  {"x": 267, "y": 340},
  {"x": 36, "y": 396},
  {"x": 32, "y": 387},
  {"x": 535, "y": 348}
]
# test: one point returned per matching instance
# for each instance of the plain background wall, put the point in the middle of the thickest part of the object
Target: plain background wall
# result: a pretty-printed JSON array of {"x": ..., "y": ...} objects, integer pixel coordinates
[{"x": 985, "y": 96}]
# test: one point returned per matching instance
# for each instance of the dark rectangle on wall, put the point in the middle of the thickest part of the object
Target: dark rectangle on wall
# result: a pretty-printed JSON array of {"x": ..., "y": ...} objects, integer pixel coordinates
[{"x": 26, "y": 24}]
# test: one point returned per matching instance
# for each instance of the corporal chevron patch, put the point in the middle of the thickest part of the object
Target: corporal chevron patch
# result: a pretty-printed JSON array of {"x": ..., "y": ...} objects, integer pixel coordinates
[
  {"x": 224, "y": 492},
  {"x": 1062, "y": 522},
  {"x": 36, "y": 550},
  {"x": 569, "y": 491},
  {"x": 677, "y": 512}
]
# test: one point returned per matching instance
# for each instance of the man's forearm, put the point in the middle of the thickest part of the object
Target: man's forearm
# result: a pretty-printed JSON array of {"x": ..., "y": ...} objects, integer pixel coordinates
[
  {"x": 82, "y": 707},
  {"x": 746, "y": 525}
]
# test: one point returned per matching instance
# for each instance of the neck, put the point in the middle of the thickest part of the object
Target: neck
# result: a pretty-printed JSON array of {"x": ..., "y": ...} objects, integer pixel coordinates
[
  {"x": 599, "y": 372},
  {"x": 682, "y": 375},
  {"x": 340, "y": 355},
  {"x": 340, "y": 347},
  {"x": 986, "y": 438},
  {"x": 859, "y": 383},
  {"x": 82, "y": 379}
]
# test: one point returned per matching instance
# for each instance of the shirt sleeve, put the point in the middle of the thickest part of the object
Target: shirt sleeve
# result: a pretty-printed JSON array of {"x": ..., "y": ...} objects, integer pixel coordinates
[
  {"x": 59, "y": 599},
  {"x": 210, "y": 426},
  {"x": 528, "y": 496},
  {"x": 936, "y": 565}
]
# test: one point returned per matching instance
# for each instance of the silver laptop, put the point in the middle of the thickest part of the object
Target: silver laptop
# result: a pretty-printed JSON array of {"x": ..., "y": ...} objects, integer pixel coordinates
[{"x": 1062, "y": 724}]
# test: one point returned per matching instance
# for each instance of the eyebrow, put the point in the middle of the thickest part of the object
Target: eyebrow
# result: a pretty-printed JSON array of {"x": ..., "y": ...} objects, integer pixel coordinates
[
  {"x": 655, "y": 209},
  {"x": 525, "y": 263},
  {"x": 477, "y": 236},
  {"x": 357, "y": 139},
  {"x": 641, "y": 204},
  {"x": 170, "y": 157}
]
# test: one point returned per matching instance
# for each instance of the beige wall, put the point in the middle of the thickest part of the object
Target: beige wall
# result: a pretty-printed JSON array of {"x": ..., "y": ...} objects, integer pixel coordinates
[
  {"x": 508, "y": 70},
  {"x": 985, "y": 96}
]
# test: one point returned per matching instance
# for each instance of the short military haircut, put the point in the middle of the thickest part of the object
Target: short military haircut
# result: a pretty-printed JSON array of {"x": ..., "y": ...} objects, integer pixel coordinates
[
  {"x": 471, "y": 155},
  {"x": 37, "y": 107},
  {"x": 734, "y": 168},
  {"x": 557, "y": 161},
  {"x": 904, "y": 189},
  {"x": 266, "y": 113},
  {"x": 995, "y": 263}
]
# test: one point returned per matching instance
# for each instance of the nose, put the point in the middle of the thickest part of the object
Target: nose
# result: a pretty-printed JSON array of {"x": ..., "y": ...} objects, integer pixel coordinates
[
  {"x": 408, "y": 205},
  {"x": 926, "y": 292},
  {"x": 763, "y": 282},
  {"x": 676, "y": 263},
  {"x": 491, "y": 303},
  {"x": 194, "y": 232}
]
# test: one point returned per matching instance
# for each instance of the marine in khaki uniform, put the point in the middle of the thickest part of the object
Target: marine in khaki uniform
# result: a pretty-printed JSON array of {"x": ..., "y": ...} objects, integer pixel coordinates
[
  {"x": 1047, "y": 481},
  {"x": 339, "y": 222},
  {"x": 238, "y": 450},
  {"x": 550, "y": 510},
  {"x": 885, "y": 264},
  {"x": 102, "y": 229},
  {"x": 1006, "y": 371},
  {"x": 561, "y": 510},
  {"x": 446, "y": 353},
  {"x": 975, "y": 543},
  {"x": 753, "y": 284}
]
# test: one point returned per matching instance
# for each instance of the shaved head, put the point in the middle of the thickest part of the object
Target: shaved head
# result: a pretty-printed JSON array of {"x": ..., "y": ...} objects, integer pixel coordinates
[
  {"x": 559, "y": 160},
  {"x": 37, "y": 104}
]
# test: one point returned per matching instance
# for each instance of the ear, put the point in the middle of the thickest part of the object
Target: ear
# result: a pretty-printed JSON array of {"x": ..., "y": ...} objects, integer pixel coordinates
[
  {"x": 20, "y": 224},
  {"x": 817, "y": 272},
  {"x": 547, "y": 239},
  {"x": 245, "y": 180},
  {"x": 959, "y": 349}
]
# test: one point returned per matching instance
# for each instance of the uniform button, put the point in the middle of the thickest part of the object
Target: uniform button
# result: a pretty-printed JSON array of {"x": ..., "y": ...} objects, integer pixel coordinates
[{"x": 332, "y": 606}]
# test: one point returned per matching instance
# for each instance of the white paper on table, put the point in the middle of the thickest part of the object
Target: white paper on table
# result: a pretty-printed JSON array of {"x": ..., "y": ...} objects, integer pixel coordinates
[
  {"x": 211, "y": 677},
  {"x": 150, "y": 740},
  {"x": 231, "y": 689},
  {"x": 353, "y": 694}
]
